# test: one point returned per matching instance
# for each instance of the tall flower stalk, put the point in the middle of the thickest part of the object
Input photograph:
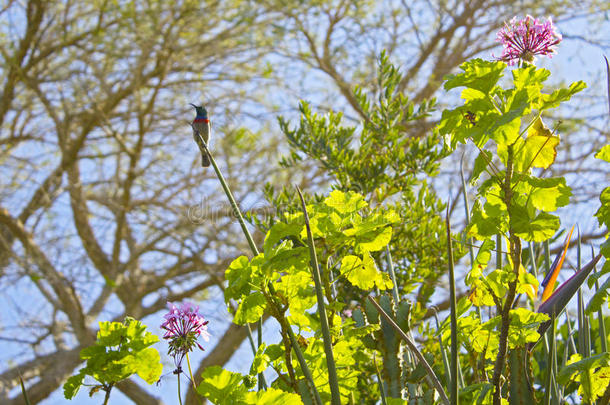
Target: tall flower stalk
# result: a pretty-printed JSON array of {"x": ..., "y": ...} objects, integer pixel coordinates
[{"x": 183, "y": 325}]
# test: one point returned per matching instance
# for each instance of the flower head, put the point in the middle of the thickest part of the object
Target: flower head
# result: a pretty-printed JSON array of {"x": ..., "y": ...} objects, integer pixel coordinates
[
  {"x": 526, "y": 38},
  {"x": 183, "y": 325}
]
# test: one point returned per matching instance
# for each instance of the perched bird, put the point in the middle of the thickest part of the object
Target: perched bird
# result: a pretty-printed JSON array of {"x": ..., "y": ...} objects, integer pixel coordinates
[{"x": 201, "y": 126}]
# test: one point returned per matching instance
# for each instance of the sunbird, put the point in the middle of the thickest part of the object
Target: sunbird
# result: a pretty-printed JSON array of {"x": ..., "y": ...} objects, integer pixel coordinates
[{"x": 201, "y": 129}]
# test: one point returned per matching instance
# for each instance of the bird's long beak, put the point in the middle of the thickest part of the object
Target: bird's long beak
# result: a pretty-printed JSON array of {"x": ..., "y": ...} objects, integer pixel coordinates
[{"x": 193, "y": 105}]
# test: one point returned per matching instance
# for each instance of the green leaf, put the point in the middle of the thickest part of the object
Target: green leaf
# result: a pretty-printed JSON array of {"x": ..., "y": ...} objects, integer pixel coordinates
[
  {"x": 261, "y": 360},
  {"x": 220, "y": 386},
  {"x": 297, "y": 288},
  {"x": 477, "y": 74},
  {"x": 605, "y": 269},
  {"x": 363, "y": 272},
  {"x": 480, "y": 164},
  {"x": 605, "y": 251},
  {"x": 272, "y": 396},
  {"x": 530, "y": 76},
  {"x": 147, "y": 364},
  {"x": 238, "y": 276},
  {"x": 538, "y": 229},
  {"x": 250, "y": 309},
  {"x": 603, "y": 213},
  {"x": 72, "y": 385},
  {"x": 523, "y": 327},
  {"x": 481, "y": 260},
  {"x": 536, "y": 151},
  {"x": 345, "y": 203},
  {"x": 372, "y": 240},
  {"x": 555, "y": 98},
  {"x": 498, "y": 280},
  {"x": 285, "y": 258},
  {"x": 600, "y": 296},
  {"x": 592, "y": 372},
  {"x": 92, "y": 351},
  {"x": 604, "y": 153},
  {"x": 546, "y": 194},
  {"x": 111, "y": 334},
  {"x": 281, "y": 230},
  {"x": 483, "y": 224},
  {"x": 121, "y": 349}
]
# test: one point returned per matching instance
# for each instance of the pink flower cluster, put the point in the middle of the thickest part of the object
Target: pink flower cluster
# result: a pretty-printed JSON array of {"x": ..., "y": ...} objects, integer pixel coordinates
[
  {"x": 183, "y": 325},
  {"x": 523, "y": 39}
]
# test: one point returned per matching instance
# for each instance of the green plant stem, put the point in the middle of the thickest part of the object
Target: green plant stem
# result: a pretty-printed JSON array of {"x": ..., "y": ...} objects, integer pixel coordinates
[
  {"x": 379, "y": 382},
  {"x": 430, "y": 372},
  {"x": 242, "y": 223},
  {"x": 602, "y": 326},
  {"x": 466, "y": 209},
  {"x": 25, "y": 393},
  {"x": 454, "y": 334},
  {"x": 261, "y": 379},
  {"x": 515, "y": 253},
  {"x": 188, "y": 363},
  {"x": 328, "y": 346},
  {"x": 107, "y": 396},
  {"x": 392, "y": 275},
  {"x": 304, "y": 368},
  {"x": 550, "y": 359},
  {"x": 179, "y": 395},
  {"x": 244, "y": 228},
  {"x": 234, "y": 206}
]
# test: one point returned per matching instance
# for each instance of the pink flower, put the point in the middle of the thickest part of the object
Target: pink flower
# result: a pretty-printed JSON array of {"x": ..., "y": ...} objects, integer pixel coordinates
[
  {"x": 183, "y": 325},
  {"x": 526, "y": 38}
]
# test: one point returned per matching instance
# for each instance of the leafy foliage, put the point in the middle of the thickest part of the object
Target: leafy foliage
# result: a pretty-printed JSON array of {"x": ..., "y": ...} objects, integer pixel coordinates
[
  {"x": 121, "y": 350},
  {"x": 378, "y": 203},
  {"x": 593, "y": 374},
  {"x": 225, "y": 387},
  {"x": 382, "y": 159}
]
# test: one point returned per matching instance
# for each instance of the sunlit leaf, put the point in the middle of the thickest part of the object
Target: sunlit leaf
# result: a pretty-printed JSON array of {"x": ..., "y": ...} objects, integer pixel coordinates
[
  {"x": 477, "y": 74},
  {"x": 604, "y": 153},
  {"x": 250, "y": 309},
  {"x": 537, "y": 229}
]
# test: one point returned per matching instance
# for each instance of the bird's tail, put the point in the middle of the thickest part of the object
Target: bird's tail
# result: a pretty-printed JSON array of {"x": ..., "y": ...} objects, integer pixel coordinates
[{"x": 205, "y": 160}]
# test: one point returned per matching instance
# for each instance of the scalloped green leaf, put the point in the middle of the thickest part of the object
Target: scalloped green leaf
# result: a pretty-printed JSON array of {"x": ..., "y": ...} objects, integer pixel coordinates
[
  {"x": 536, "y": 151},
  {"x": 558, "y": 96},
  {"x": 593, "y": 373},
  {"x": 603, "y": 153},
  {"x": 73, "y": 384},
  {"x": 363, "y": 272},
  {"x": 250, "y": 309},
  {"x": 477, "y": 74},
  {"x": 530, "y": 76},
  {"x": 483, "y": 224},
  {"x": 538, "y": 229},
  {"x": 147, "y": 364},
  {"x": 546, "y": 194},
  {"x": 599, "y": 298},
  {"x": 603, "y": 212},
  {"x": 238, "y": 276},
  {"x": 220, "y": 386},
  {"x": 345, "y": 203},
  {"x": 272, "y": 396},
  {"x": 523, "y": 327},
  {"x": 281, "y": 230}
]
